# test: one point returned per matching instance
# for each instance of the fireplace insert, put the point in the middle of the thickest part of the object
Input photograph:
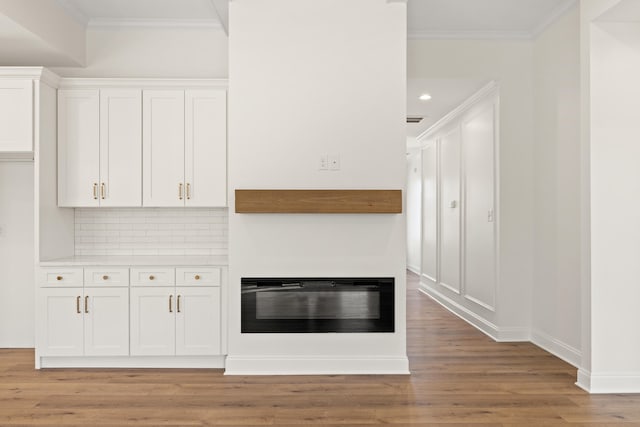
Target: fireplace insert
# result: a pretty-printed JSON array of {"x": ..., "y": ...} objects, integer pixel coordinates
[{"x": 308, "y": 305}]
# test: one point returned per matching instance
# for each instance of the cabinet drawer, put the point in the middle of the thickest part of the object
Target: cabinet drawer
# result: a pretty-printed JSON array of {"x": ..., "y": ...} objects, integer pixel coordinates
[
  {"x": 198, "y": 276},
  {"x": 61, "y": 277},
  {"x": 153, "y": 276},
  {"x": 109, "y": 276}
]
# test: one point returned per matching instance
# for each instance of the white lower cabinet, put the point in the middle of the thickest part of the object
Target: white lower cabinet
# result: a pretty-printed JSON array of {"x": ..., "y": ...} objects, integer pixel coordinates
[
  {"x": 85, "y": 322},
  {"x": 197, "y": 309},
  {"x": 176, "y": 320},
  {"x": 137, "y": 314}
]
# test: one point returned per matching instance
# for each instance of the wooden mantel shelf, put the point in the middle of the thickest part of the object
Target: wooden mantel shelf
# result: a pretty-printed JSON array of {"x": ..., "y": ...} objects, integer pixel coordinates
[{"x": 319, "y": 201}]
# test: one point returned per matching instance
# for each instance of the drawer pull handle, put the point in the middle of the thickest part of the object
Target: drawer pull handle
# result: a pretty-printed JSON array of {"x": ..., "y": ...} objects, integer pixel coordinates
[
  {"x": 170, "y": 301},
  {"x": 78, "y": 304},
  {"x": 86, "y": 304},
  {"x": 105, "y": 277},
  {"x": 152, "y": 277},
  {"x": 95, "y": 191},
  {"x": 197, "y": 277},
  {"x": 59, "y": 278},
  {"x": 178, "y": 304}
]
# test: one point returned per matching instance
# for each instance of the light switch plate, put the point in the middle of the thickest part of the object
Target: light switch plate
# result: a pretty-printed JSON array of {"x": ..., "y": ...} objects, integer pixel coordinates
[{"x": 334, "y": 163}]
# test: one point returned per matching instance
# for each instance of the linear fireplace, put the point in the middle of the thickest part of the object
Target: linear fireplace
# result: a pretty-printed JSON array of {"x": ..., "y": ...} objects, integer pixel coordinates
[{"x": 306, "y": 305}]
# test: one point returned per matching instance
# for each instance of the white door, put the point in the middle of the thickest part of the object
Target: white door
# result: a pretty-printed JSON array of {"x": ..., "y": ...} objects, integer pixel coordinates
[
  {"x": 121, "y": 147},
  {"x": 450, "y": 210},
  {"x": 62, "y": 327},
  {"x": 478, "y": 138},
  {"x": 153, "y": 327},
  {"x": 206, "y": 147},
  {"x": 163, "y": 148},
  {"x": 78, "y": 148},
  {"x": 429, "y": 266},
  {"x": 106, "y": 321},
  {"x": 16, "y": 115},
  {"x": 197, "y": 321}
]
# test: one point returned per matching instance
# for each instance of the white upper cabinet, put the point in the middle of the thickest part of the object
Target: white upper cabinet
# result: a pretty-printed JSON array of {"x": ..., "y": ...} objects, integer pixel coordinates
[
  {"x": 205, "y": 148},
  {"x": 163, "y": 148},
  {"x": 185, "y": 148},
  {"x": 78, "y": 147},
  {"x": 16, "y": 115},
  {"x": 120, "y": 147},
  {"x": 99, "y": 148}
]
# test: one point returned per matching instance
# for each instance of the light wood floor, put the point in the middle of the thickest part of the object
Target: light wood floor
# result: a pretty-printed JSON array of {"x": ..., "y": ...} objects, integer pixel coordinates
[{"x": 459, "y": 378}]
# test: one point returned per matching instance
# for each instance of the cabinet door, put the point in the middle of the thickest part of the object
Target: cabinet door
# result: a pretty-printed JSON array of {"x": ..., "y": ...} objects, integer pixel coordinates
[
  {"x": 206, "y": 147},
  {"x": 450, "y": 210},
  {"x": 16, "y": 115},
  {"x": 153, "y": 327},
  {"x": 78, "y": 148},
  {"x": 120, "y": 147},
  {"x": 197, "y": 321},
  {"x": 106, "y": 321},
  {"x": 163, "y": 148},
  {"x": 62, "y": 324}
]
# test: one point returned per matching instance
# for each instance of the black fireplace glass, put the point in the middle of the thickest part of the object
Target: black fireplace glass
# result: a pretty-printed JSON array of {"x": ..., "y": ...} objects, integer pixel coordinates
[{"x": 309, "y": 305}]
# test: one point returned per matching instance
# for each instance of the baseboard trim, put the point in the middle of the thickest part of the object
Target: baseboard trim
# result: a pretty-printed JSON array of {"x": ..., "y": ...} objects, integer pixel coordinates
[
  {"x": 285, "y": 365},
  {"x": 609, "y": 382},
  {"x": 562, "y": 350},
  {"x": 509, "y": 334},
  {"x": 124, "y": 362},
  {"x": 414, "y": 269}
]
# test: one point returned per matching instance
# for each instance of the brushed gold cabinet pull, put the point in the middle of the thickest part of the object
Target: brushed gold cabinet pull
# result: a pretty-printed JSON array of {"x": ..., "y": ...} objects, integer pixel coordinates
[
  {"x": 95, "y": 191},
  {"x": 78, "y": 304},
  {"x": 188, "y": 191},
  {"x": 170, "y": 301},
  {"x": 102, "y": 191},
  {"x": 197, "y": 277},
  {"x": 152, "y": 277},
  {"x": 178, "y": 304},
  {"x": 59, "y": 278},
  {"x": 180, "y": 191},
  {"x": 105, "y": 277},
  {"x": 86, "y": 304}
]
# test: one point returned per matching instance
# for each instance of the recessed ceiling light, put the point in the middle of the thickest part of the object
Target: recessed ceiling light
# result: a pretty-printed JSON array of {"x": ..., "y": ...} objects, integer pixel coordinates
[{"x": 425, "y": 97}]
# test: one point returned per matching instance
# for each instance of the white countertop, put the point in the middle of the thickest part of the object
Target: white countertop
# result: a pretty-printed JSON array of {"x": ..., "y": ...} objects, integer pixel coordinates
[{"x": 168, "y": 260}]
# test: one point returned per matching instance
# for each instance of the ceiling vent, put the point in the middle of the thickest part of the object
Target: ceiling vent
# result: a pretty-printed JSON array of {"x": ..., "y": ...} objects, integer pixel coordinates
[{"x": 414, "y": 119}]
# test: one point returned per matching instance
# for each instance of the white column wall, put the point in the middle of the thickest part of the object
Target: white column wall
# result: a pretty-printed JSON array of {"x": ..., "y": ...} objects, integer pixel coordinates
[
  {"x": 556, "y": 321},
  {"x": 615, "y": 208},
  {"x": 298, "y": 89}
]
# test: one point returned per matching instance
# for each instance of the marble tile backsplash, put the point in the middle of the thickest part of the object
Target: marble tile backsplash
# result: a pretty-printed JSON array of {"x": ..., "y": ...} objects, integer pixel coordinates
[{"x": 151, "y": 231}]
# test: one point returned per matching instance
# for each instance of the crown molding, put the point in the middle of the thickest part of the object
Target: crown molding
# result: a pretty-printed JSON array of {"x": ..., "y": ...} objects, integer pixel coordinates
[
  {"x": 552, "y": 17},
  {"x": 468, "y": 35},
  {"x": 155, "y": 23},
  {"x": 101, "y": 83},
  {"x": 35, "y": 73}
]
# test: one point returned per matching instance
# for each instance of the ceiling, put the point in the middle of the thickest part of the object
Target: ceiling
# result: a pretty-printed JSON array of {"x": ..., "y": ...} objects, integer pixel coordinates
[{"x": 428, "y": 19}]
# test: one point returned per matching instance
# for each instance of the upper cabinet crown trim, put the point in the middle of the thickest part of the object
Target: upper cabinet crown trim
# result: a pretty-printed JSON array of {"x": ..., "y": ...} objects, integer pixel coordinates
[
  {"x": 34, "y": 73},
  {"x": 103, "y": 83}
]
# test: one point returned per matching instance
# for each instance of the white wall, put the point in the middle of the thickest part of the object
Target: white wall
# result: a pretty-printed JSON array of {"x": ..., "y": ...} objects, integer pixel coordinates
[
  {"x": 154, "y": 52},
  {"x": 556, "y": 322},
  {"x": 414, "y": 209},
  {"x": 308, "y": 90},
  {"x": 511, "y": 64},
  {"x": 615, "y": 207},
  {"x": 16, "y": 254}
]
